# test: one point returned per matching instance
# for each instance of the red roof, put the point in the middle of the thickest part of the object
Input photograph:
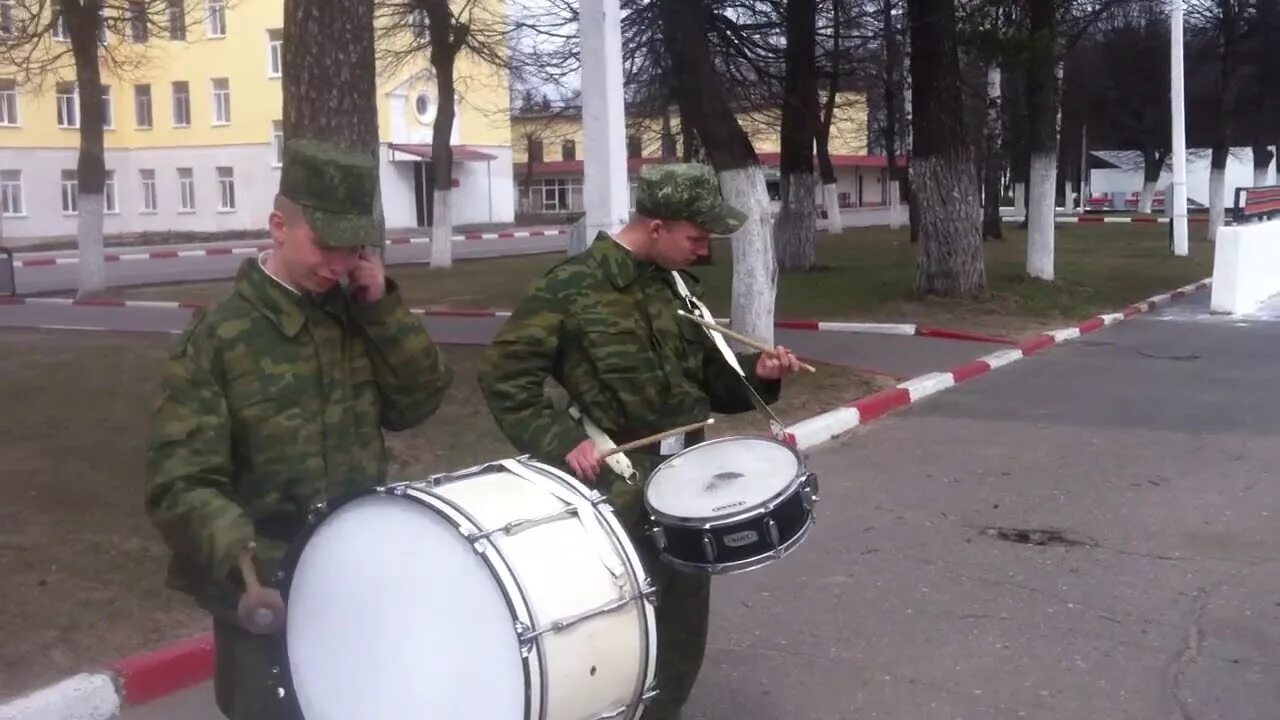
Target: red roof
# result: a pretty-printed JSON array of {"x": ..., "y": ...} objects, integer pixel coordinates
[
  {"x": 460, "y": 152},
  {"x": 575, "y": 167}
]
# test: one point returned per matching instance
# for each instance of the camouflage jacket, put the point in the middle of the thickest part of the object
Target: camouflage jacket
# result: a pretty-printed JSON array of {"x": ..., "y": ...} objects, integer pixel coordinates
[
  {"x": 604, "y": 326},
  {"x": 272, "y": 402}
]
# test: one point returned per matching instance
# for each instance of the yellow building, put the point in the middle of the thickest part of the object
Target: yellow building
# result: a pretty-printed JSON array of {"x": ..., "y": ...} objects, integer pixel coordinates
[
  {"x": 194, "y": 134},
  {"x": 548, "y": 148}
]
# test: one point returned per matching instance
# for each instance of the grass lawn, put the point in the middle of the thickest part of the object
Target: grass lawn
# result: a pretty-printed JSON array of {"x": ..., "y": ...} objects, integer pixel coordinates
[
  {"x": 83, "y": 567},
  {"x": 865, "y": 274}
]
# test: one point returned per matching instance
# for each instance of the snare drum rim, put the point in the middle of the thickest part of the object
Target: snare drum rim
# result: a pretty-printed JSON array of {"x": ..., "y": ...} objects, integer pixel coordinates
[
  {"x": 707, "y": 522},
  {"x": 504, "y": 576},
  {"x": 742, "y": 566}
]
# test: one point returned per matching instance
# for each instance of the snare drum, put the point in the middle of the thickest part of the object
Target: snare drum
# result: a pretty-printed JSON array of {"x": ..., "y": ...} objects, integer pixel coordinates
[
  {"x": 504, "y": 592},
  {"x": 730, "y": 505}
]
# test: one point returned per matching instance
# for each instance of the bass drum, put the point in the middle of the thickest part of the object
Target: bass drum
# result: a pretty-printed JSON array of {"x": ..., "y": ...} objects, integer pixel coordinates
[{"x": 504, "y": 592}]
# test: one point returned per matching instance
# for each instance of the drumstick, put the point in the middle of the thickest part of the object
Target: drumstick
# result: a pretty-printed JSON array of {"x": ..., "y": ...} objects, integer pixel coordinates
[
  {"x": 750, "y": 342},
  {"x": 262, "y": 615},
  {"x": 654, "y": 438}
]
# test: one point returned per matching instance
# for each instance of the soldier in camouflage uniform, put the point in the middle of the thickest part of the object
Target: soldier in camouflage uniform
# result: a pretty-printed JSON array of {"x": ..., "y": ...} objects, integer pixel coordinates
[
  {"x": 277, "y": 398},
  {"x": 604, "y": 326}
]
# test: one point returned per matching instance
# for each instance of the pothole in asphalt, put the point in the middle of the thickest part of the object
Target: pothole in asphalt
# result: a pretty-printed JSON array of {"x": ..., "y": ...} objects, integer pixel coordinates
[{"x": 1036, "y": 536}]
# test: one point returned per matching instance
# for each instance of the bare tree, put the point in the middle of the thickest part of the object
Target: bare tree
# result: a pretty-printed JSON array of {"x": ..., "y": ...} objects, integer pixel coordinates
[
  {"x": 795, "y": 233},
  {"x": 442, "y": 31},
  {"x": 47, "y": 40}
]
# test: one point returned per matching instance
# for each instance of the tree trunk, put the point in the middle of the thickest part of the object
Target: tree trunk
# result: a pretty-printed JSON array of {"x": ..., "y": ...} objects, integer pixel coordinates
[
  {"x": 83, "y": 23},
  {"x": 1262, "y": 157},
  {"x": 795, "y": 230},
  {"x": 1152, "y": 166},
  {"x": 944, "y": 188},
  {"x": 992, "y": 227},
  {"x": 1228, "y": 83},
  {"x": 892, "y": 102},
  {"x": 705, "y": 109},
  {"x": 330, "y": 77},
  {"x": 446, "y": 40},
  {"x": 830, "y": 192},
  {"x": 1042, "y": 110}
]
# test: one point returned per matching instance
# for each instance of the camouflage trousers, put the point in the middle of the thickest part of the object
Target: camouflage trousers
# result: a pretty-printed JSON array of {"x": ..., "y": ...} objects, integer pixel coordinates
[{"x": 244, "y": 678}]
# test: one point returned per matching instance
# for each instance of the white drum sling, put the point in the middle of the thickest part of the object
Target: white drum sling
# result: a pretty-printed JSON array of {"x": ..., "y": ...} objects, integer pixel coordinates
[{"x": 504, "y": 592}]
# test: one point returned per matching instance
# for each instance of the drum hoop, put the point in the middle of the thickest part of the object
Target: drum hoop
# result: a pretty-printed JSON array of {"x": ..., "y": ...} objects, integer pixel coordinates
[
  {"x": 709, "y": 521},
  {"x": 492, "y": 556}
]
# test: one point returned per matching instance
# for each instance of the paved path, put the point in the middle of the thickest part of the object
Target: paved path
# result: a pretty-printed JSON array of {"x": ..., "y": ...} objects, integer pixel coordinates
[
  {"x": 1152, "y": 443},
  {"x": 62, "y": 277}
]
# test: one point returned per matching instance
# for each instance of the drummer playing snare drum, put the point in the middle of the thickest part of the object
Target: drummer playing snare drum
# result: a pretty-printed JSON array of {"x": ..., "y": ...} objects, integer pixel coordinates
[{"x": 604, "y": 324}]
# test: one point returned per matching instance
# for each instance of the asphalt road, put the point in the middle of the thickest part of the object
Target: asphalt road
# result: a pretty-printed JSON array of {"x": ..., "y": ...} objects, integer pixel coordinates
[{"x": 1149, "y": 446}]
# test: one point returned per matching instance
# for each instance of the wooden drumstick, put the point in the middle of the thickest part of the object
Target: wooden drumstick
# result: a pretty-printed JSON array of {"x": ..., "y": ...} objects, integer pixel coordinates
[
  {"x": 750, "y": 342},
  {"x": 264, "y": 617},
  {"x": 655, "y": 438}
]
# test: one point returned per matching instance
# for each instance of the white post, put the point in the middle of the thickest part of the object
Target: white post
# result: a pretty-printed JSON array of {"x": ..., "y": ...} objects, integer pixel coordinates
[
  {"x": 1179, "y": 149},
  {"x": 605, "y": 188}
]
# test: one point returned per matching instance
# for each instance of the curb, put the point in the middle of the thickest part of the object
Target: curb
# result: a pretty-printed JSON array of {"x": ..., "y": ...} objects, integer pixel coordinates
[
  {"x": 255, "y": 249},
  {"x": 907, "y": 329},
  {"x": 834, "y": 423},
  {"x": 1100, "y": 219},
  {"x": 148, "y": 676}
]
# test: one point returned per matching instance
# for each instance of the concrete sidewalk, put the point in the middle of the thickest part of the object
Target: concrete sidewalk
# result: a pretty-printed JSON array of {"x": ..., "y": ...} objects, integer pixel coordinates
[{"x": 1089, "y": 533}]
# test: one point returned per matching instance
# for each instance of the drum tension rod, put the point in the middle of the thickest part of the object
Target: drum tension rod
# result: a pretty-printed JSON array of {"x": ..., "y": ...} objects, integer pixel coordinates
[
  {"x": 516, "y": 526},
  {"x": 528, "y": 636}
]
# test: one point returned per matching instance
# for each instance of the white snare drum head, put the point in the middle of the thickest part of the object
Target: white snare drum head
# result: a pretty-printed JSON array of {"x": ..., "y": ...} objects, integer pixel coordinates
[
  {"x": 722, "y": 478},
  {"x": 392, "y": 614}
]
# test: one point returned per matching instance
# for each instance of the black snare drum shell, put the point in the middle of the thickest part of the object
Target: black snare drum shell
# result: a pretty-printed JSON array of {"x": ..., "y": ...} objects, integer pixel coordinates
[{"x": 738, "y": 542}]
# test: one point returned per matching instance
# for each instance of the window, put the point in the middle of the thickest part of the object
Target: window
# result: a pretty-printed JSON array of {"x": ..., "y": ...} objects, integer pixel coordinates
[
  {"x": 217, "y": 18},
  {"x": 277, "y": 141},
  {"x": 11, "y": 193},
  {"x": 418, "y": 22},
  {"x": 181, "y": 104},
  {"x": 275, "y": 53},
  {"x": 139, "y": 31},
  {"x": 68, "y": 106},
  {"x": 177, "y": 20},
  {"x": 149, "y": 203},
  {"x": 59, "y": 23},
  {"x": 109, "y": 193},
  {"x": 108, "y": 118},
  {"x": 186, "y": 190},
  {"x": 142, "y": 105},
  {"x": 422, "y": 107},
  {"x": 70, "y": 192},
  {"x": 535, "y": 151},
  {"x": 226, "y": 189},
  {"x": 668, "y": 146},
  {"x": 568, "y": 150},
  {"x": 633, "y": 146},
  {"x": 221, "y": 101},
  {"x": 555, "y": 195},
  {"x": 8, "y": 101},
  {"x": 6, "y": 18}
]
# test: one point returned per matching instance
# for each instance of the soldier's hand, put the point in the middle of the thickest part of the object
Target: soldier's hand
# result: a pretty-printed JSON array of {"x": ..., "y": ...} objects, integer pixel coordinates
[
  {"x": 368, "y": 281},
  {"x": 262, "y": 611},
  {"x": 585, "y": 461},
  {"x": 777, "y": 364}
]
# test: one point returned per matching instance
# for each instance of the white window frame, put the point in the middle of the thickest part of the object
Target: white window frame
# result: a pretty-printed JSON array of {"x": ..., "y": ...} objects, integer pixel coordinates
[
  {"x": 221, "y": 101},
  {"x": 68, "y": 107},
  {"x": 141, "y": 101},
  {"x": 108, "y": 114},
  {"x": 185, "y": 105},
  {"x": 139, "y": 23},
  {"x": 176, "y": 14},
  {"x": 11, "y": 195},
  {"x": 60, "y": 31},
  {"x": 216, "y": 18},
  {"x": 226, "y": 189},
  {"x": 70, "y": 193},
  {"x": 186, "y": 190},
  {"x": 9, "y": 116},
  {"x": 277, "y": 143},
  {"x": 275, "y": 53},
  {"x": 109, "y": 204},
  {"x": 150, "y": 199},
  {"x": 6, "y": 18}
]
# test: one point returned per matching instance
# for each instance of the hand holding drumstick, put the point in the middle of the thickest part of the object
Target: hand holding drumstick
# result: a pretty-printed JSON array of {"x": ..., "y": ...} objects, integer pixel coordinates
[
  {"x": 585, "y": 459},
  {"x": 261, "y": 609},
  {"x": 774, "y": 363}
]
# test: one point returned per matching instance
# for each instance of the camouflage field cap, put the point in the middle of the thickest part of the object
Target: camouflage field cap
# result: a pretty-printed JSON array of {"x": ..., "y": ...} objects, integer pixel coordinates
[
  {"x": 687, "y": 191},
  {"x": 336, "y": 188}
]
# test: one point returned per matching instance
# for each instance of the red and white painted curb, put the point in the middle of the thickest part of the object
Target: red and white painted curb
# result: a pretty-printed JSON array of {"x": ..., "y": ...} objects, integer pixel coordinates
[
  {"x": 140, "y": 679},
  {"x": 833, "y": 423},
  {"x": 223, "y": 250},
  {"x": 1105, "y": 219}
]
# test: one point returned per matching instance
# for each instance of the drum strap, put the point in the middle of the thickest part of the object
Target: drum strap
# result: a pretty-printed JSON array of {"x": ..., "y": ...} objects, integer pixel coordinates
[
  {"x": 617, "y": 462},
  {"x": 697, "y": 308}
]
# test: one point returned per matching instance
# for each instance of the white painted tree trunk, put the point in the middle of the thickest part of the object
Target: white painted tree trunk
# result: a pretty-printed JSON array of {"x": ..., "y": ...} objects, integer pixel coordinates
[
  {"x": 1148, "y": 197},
  {"x": 1217, "y": 201},
  {"x": 1261, "y": 176},
  {"x": 755, "y": 267},
  {"x": 92, "y": 263},
  {"x": 1068, "y": 196},
  {"x": 895, "y": 212},
  {"x": 442, "y": 230},
  {"x": 831, "y": 199},
  {"x": 1040, "y": 222},
  {"x": 1020, "y": 199}
]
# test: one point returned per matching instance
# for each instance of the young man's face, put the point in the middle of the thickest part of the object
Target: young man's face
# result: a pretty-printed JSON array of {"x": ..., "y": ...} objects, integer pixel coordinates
[
  {"x": 306, "y": 264},
  {"x": 677, "y": 244}
]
